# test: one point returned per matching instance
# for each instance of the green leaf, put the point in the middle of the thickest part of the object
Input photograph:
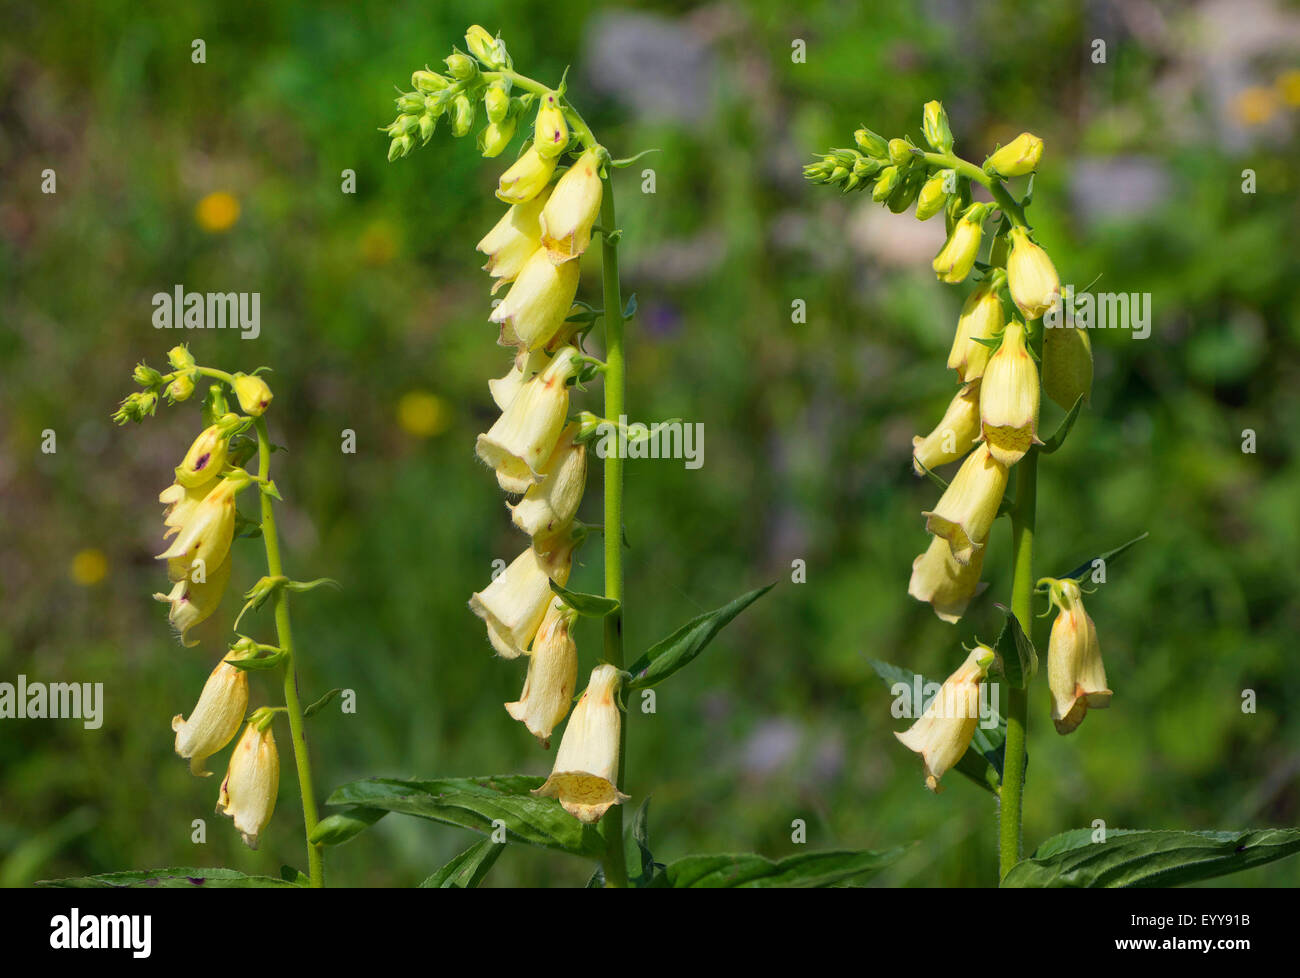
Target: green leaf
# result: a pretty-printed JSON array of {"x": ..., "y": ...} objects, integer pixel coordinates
[
  {"x": 291, "y": 874},
  {"x": 640, "y": 831},
  {"x": 938, "y": 480},
  {"x": 304, "y": 586},
  {"x": 1063, "y": 429},
  {"x": 473, "y": 803},
  {"x": 1148, "y": 858},
  {"x": 1082, "y": 570},
  {"x": 321, "y": 703},
  {"x": 751, "y": 870},
  {"x": 683, "y": 645},
  {"x": 174, "y": 877},
  {"x": 591, "y": 605},
  {"x": 1019, "y": 657},
  {"x": 466, "y": 871},
  {"x": 983, "y": 762},
  {"x": 257, "y": 663},
  {"x": 629, "y": 310},
  {"x": 334, "y": 830}
]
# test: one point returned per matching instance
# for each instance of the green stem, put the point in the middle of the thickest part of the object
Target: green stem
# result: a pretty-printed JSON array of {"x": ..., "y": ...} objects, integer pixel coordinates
[
  {"x": 615, "y": 861},
  {"x": 274, "y": 567},
  {"x": 1008, "y": 204},
  {"x": 1022, "y": 591}
]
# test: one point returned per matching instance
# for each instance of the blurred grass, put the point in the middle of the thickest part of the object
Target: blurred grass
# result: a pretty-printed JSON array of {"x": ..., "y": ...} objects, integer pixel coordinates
[{"x": 370, "y": 297}]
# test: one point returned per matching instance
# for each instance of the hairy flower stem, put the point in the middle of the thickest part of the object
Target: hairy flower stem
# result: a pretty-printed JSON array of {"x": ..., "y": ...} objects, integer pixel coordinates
[
  {"x": 1022, "y": 589},
  {"x": 615, "y": 861},
  {"x": 315, "y": 860}
]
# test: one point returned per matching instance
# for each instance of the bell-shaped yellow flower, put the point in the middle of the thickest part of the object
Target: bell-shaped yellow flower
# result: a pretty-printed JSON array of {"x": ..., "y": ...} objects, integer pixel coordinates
[
  {"x": 252, "y": 782},
  {"x": 1009, "y": 398},
  {"x": 207, "y": 531},
  {"x": 538, "y": 302},
  {"x": 551, "y": 504},
  {"x": 943, "y": 583},
  {"x": 193, "y": 602},
  {"x": 513, "y": 240},
  {"x": 253, "y": 393},
  {"x": 215, "y": 719},
  {"x": 523, "y": 438},
  {"x": 515, "y": 603},
  {"x": 523, "y": 368},
  {"x": 981, "y": 318},
  {"x": 205, "y": 458},
  {"x": 569, "y": 215},
  {"x": 954, "y": 436},
  {"x": 1016, "y": 158},
  {"x": 551, "y": 130},
  {"x": 942, "y": 734},
  {"x": 585, "y": 775},
  {"x": 527, "y": 178},
  {"x": 181, "y": 503},
  {"x": 552, "y": 674},
  {"x": 965, "y": 512},
  {"x": 1075, "y": 673},
  {"x": 1031, "y": 276},
  {"x": 957, "y": 257}
]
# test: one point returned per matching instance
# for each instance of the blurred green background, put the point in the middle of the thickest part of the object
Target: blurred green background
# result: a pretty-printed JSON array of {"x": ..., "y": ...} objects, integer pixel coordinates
[{"x": 374, "y": 319}]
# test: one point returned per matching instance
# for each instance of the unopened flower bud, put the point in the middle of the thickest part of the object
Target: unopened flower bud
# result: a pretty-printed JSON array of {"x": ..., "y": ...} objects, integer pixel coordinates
[
  {"x": 538, "y": 302},
  {"x": 1016, "y": 158},
  {"x": 527, "y": 178},
  {"x": 1009, "y": 398},
  {"x": 496, "y": 100},
  {"x": 495, "y": 137},
  {"x": 401, "y": 146},
  {"x": 934, "y": 124},
  {"x": 180, "y": 389},
  {"x": 933, "y": 197},
  {"x": 462, "y": 117},
  {"x": 252, "y": 782},
  {"x": 907, "y": 191},
  {"x": 900, "y": 153},
  {"x": 515, "y": 603},
  {"x": 945, "y": 584},
  {"x": 460, "y": 66},
  {"x": 1067, "y": 364},
  {"x": 523, "y": 438},
  {"x": 585, "y": 775},
  {"x": 887, "y": 181},
  {"x": 253, "y": 393},
  {"x": 551, "y": 504},
  {"x": 965, "y": 512},
  {"x": 957, "y": 257},
  {"x": 428, "y": 82},
  {"x": 1075, "y": 673},
  {"x": 411, "y": 102},
  {"x": 955, "y": 434},
  {"x": 206, "y": 456},
  {"x": 145, "y": 375},
  {"x": 981, "y": 318},
  {"x": 552, "y": 674},
  {"x": 488, "y": 49},
  {"x": 215, "y": 719},
  {"x": 180, "y": 358},
  {"x": 1035, "y": 286},
  {"x": 943, "y": 732},
  {"x": 551, "y": 131},
  {"x": 513, "y": 240},
  {"x": 872, "y": 144},
  {"x": 568, "y": 216}
]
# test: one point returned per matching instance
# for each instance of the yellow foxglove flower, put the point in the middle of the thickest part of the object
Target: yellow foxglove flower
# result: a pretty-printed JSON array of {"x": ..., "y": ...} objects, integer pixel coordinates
[
  {"x": 551, "y": 131},
  {"x": 207, "y": 531},
  {"x": 524, "y": 367},
  {"x": 1035, "y": 286},
  {"x": 206, "y": 456},
  {"x": 538, "y": 302},
  {"x": 1067, "y": 364},
  {"x": 216, "y": 717},
  {"x": 253, "y": 393},
  {"x": 193, "y": 602},
  {"x": 943, "y": 732},
  {"x": 181, "y": 503},
  {"x": 527, "y": 178},
  {"x": 943, "y": 583},
  {"x": 549, "y": 505},
  {"x": 1075, "y": 673},
  {"x": 957, "y": 257},
  {"x": 955, "y": 434},
  {"x": 1009, "y": 398},
  {"x": 514, "y": 604},
  {"x": 514, "y": 239},
  {"x": 981, "y": 318},
  {"x": 522, "y": 439},
  {"x": 966, "y": 510},
  {"x": 569, "y": 214},
  {"x": 585, "y": 775},
  {"x": 552, "y": 675},
  {"x": 1016, "y": 158},
  {"x": 251, "y": 783}
]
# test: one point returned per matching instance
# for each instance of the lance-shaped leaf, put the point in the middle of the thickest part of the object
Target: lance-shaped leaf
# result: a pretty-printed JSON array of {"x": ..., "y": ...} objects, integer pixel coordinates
[
  {"x": 173, "y": 877},
  {"x": 982, "y": 763},
  {"x": 640, "y": 831},
  {"x": 466, "y": 871},
  {"x": 1019, "y": 657},
  {"x": 476, "y": 803},
  {"x": 1082, "y": 570},
  {"x": 811, "y": 869},
  {"x": 1148, "y": 858},
  {"x": 338, "y": 828},
  {"x": 590, "y": 605},
  {"x": 1062, "y": 429},
  {"x": 678, "y": 649},
  {"x": 321, "y": 703}
]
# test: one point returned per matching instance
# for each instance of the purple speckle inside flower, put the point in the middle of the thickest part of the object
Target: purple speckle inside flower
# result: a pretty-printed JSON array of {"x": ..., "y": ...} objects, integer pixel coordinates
[{"x": 202, "y": 461}]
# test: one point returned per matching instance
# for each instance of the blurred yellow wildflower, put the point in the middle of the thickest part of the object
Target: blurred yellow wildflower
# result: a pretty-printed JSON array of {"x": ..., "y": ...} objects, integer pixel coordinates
[
  {"x": 1288, "y": 86},
  {"x": 217, "y": 212},
  {"x": 89, "y": 567},
  {"x": 423, "y": 414},
  {"x": 1255, "y": 106}
]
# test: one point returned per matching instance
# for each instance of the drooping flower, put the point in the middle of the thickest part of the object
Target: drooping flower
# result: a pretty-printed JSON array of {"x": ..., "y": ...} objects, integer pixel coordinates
[
  {"x": 955, "y": 434},
  {"x": 1009, "y": 397},
  {"x": 518, "y": 445},
  {"x": 515, "y": 603},
  {"x": 945, "y": 584},
  {"x": 965, "y": 512},
  {"x": 981, "y": 318},
  {"x": 1075, "y": 673},
  {"x": 1031, "y": 276},
  {"x": 551, "y": 504},
  {"x": 193, "y": 601},
  {"x": 513, "y": 240},
  {"x": 252, "y": 782},
  {"x": 568, "y": 216},
  {"x": 957, "y": 257},
  {"x": 942, "y": 734},
  {"x": 585, "y": 775},
  {"x": 527, "y": 178},
  {"x": 215, "y": 718},
  {"x": 552, "y": 674},
  {"x": 207, "y": 531},
  {"x": 538, "y": 302}
]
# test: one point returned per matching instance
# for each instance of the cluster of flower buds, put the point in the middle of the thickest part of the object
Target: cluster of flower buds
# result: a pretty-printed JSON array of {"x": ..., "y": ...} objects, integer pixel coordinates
[
  {"x": 200, "y": 521},
  {"x": 538, "y": 454}
]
